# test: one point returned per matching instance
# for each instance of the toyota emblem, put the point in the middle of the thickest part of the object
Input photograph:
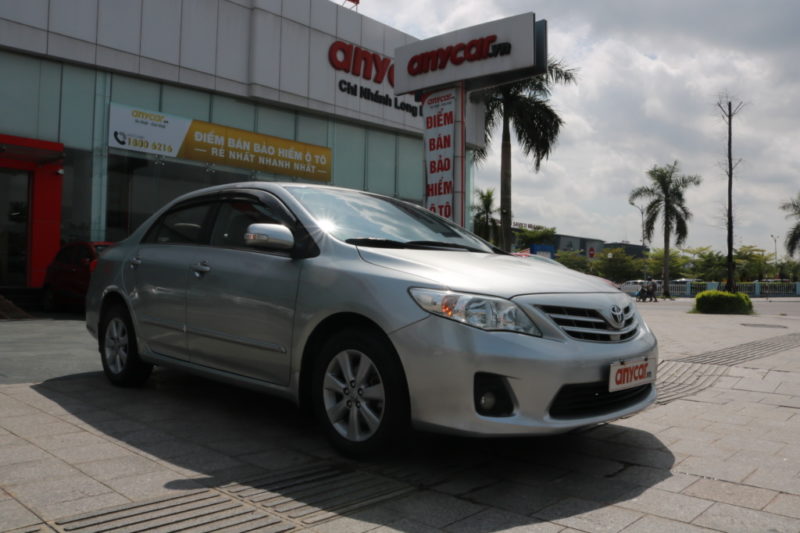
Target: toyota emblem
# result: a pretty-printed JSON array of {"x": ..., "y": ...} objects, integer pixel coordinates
[{"x": 617, "y": 317}]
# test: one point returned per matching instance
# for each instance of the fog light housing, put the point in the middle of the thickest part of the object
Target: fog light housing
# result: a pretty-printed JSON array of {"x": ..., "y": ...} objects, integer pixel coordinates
[
  {"x": 486, "y": 402},
  {"x": 492, "y": 395}
]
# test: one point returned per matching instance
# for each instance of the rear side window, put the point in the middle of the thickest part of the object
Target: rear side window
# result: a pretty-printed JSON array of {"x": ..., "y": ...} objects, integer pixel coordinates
[{"x": 182, "y": 225}]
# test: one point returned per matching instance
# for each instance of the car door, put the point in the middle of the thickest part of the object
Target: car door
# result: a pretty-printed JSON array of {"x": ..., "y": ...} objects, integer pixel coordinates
[
  {"x": 159, "y": 272},
  {"x": 241, "y": 301}
]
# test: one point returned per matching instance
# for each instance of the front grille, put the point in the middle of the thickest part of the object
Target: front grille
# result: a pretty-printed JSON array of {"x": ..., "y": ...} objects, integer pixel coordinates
[
  {"x": 592, "y": 399},
  {"x": 589, "y": 325}
]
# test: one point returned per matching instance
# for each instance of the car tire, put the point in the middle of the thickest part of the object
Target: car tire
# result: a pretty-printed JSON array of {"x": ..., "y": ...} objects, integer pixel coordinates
[
  {"x": 118, "y": 350},
  {"x": 359, "y": 392}
]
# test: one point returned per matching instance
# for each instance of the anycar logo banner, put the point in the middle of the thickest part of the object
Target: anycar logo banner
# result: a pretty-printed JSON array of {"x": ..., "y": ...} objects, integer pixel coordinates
[
  {"x": 484, "y": 55},
  {"x": 156, "y": 133}
]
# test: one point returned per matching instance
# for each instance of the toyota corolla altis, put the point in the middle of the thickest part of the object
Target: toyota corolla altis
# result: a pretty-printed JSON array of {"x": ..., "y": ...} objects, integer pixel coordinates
[{"x": 375, "y": 312}]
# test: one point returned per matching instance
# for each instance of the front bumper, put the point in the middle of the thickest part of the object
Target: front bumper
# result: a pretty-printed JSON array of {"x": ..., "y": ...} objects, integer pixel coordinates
[{"x": 441, "y": 358}]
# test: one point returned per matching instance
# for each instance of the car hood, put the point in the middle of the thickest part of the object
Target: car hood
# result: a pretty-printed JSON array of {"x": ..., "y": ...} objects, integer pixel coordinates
[{"x": 494, "y": 274}]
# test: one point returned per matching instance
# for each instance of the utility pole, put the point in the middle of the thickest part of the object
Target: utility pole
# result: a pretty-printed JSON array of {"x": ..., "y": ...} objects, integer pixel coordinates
[
  {"x": 775, "y": 240},
  {"x": 728, "y": 112}
]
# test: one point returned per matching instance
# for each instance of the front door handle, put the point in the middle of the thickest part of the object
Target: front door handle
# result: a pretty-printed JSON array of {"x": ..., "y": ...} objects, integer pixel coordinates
[{"x": 201, "y": 268}]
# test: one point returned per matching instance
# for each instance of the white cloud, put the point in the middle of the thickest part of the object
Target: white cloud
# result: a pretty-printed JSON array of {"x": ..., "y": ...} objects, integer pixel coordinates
[{"x": 649, "y": 75}]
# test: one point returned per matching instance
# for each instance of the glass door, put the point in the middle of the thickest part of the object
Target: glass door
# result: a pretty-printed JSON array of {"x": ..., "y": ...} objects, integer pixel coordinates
[{"x": 14, "y": 200}]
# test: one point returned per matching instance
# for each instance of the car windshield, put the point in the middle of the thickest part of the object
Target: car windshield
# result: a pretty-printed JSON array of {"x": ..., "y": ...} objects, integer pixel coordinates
[{"x": 371, "y": 220}]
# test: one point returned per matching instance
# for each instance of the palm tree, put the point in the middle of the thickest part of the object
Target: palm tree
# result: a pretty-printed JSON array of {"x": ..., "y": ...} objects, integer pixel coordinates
[
  {"x": 536, "y": 125},
  {"x": 793, "y": 237},
  {"x": 484, "y": 223},
  {"x": 665, "y": 197}
]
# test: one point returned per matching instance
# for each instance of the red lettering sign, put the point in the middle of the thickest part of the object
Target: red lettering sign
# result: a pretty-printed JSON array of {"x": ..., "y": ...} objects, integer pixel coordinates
[
  {"x": 475, "y": 50},
  {"x": 361, "y": 62},
  {"x": 628, "y": 374}
]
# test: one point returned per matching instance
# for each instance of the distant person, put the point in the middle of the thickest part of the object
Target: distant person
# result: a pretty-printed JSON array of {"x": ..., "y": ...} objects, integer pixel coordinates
[
  {"x": 651, "y": 290},
  {"x": 641, "y": 294}
]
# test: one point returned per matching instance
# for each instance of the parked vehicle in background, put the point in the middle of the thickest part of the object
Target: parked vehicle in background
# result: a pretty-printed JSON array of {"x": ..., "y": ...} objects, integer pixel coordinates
[
  {"x": 373, "y": 311},
  {"x": 632, "y": 286},
  {"x": 67, "y": 277}
]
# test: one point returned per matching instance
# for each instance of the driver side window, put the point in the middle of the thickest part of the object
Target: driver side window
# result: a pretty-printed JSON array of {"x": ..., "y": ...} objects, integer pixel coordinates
[{"x": 233, "y": 219}]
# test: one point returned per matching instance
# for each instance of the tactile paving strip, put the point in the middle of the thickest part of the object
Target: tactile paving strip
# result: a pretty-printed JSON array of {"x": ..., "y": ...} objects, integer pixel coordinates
[
  {"x": 677, "y": 379},
  {"x": 196, "y": 511},
  {"x": 315, "y": 493},
  {"x": 690, "y": 375},
  {"x": 746, "y": 352}
]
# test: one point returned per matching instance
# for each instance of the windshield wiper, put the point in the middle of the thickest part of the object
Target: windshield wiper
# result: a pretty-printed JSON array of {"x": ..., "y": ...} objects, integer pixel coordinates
[
  {"x": 442, "y": 244},
  {"x": 375, "y": 242}
]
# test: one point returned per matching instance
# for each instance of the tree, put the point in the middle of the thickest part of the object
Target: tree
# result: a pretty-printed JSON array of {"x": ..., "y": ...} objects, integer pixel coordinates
[
  {"x": 728, "y": 112},
  {"x": 483, "y": 219},
  {"x": 793, "y": 236},
  {"x": 706, "y": 264},
  {"x": 537, "y": 235},
  {"x": 789, "y": 269},
  {"x": 523, "y": 104},
  {"x": 655, "y": 262},
  {"x": 616, "y": 265},
  {"x": 573, "y": 259},
  {"x": 753, "y": 262},
  {"x": 666, "y": 198}
]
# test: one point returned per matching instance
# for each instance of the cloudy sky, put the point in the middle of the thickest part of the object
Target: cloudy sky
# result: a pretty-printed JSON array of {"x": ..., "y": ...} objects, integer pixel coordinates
[{"x": 649, "y": 76}]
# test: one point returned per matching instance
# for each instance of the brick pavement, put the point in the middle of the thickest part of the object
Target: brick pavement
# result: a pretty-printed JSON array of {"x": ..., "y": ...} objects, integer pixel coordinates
[{"x": 77, "y": 454}]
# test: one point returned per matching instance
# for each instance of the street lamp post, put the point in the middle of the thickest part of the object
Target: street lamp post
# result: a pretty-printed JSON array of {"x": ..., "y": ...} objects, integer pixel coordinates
[
  {"x": 775, "y": 240},
  {"x": 641, "y": 210}
]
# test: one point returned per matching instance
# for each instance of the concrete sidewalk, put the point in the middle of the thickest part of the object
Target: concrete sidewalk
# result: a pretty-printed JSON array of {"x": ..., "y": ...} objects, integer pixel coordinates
[{"x": 719, "y": 452}]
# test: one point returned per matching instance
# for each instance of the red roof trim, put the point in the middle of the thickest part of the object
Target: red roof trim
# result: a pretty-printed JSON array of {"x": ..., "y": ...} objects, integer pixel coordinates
[{"x": 31, "y": 143}]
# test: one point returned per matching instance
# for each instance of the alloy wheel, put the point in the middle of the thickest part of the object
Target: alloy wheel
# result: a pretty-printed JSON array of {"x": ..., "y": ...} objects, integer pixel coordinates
[
  {"x": 354, "y": 396},
  {"x": 116, "y": 345}
]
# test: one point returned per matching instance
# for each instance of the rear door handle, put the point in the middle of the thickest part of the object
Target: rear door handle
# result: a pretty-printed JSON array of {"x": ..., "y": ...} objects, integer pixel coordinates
[{"x": 135, "y": 262}]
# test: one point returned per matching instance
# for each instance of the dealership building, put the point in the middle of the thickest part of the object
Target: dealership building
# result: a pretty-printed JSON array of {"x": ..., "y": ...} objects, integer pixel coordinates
[{"x": 298, "y": 90}]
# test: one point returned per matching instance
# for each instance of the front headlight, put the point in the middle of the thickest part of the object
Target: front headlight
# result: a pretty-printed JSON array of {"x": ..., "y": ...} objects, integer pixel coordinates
[{"x": 484, "y": 312}]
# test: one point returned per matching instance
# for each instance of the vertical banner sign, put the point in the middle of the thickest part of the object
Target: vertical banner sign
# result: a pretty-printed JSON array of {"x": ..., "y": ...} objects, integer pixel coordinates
[{"x": 439, "y": 112}]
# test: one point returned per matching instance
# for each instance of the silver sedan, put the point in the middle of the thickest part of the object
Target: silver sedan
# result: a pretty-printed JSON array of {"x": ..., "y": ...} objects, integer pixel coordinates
[{"x": 375, "y": 312}]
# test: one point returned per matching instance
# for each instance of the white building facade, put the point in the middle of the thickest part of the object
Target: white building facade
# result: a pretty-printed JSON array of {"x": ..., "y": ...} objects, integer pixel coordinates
[{"x": 309, "y": 75}]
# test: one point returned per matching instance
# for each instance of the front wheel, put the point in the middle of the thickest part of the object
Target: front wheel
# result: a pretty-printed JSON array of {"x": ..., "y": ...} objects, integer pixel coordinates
[
  {"x": 118, "y": 350},
  {"x": 359, "y": 392}
]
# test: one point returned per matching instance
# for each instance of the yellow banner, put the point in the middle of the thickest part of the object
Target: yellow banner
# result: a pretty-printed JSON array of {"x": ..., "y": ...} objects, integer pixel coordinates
[{"x": 213, "y": 143}]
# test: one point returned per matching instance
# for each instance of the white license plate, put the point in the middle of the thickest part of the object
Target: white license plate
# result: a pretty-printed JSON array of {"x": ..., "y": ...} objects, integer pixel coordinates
[{"x": 632, "y": 373}]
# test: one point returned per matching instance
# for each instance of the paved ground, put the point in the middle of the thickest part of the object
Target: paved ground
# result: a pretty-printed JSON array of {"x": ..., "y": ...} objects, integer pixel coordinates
[{"x": 720, "y": 452}]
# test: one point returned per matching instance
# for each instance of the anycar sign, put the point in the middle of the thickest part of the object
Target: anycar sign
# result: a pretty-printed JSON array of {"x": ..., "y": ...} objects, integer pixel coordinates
[
  {"x": 361, "y": 62},
  {"x": 371, "y": 67},
  {"x": 474, "y": 50},
  {"x": 483, "y": 55}
]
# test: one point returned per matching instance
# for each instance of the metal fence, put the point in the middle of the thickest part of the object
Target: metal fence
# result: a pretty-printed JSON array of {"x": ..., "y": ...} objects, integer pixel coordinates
[{"x": 754, "y": 289}]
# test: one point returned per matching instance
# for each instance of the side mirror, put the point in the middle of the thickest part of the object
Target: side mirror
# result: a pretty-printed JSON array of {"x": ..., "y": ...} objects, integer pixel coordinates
[{"x": 269, "y": 237}]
